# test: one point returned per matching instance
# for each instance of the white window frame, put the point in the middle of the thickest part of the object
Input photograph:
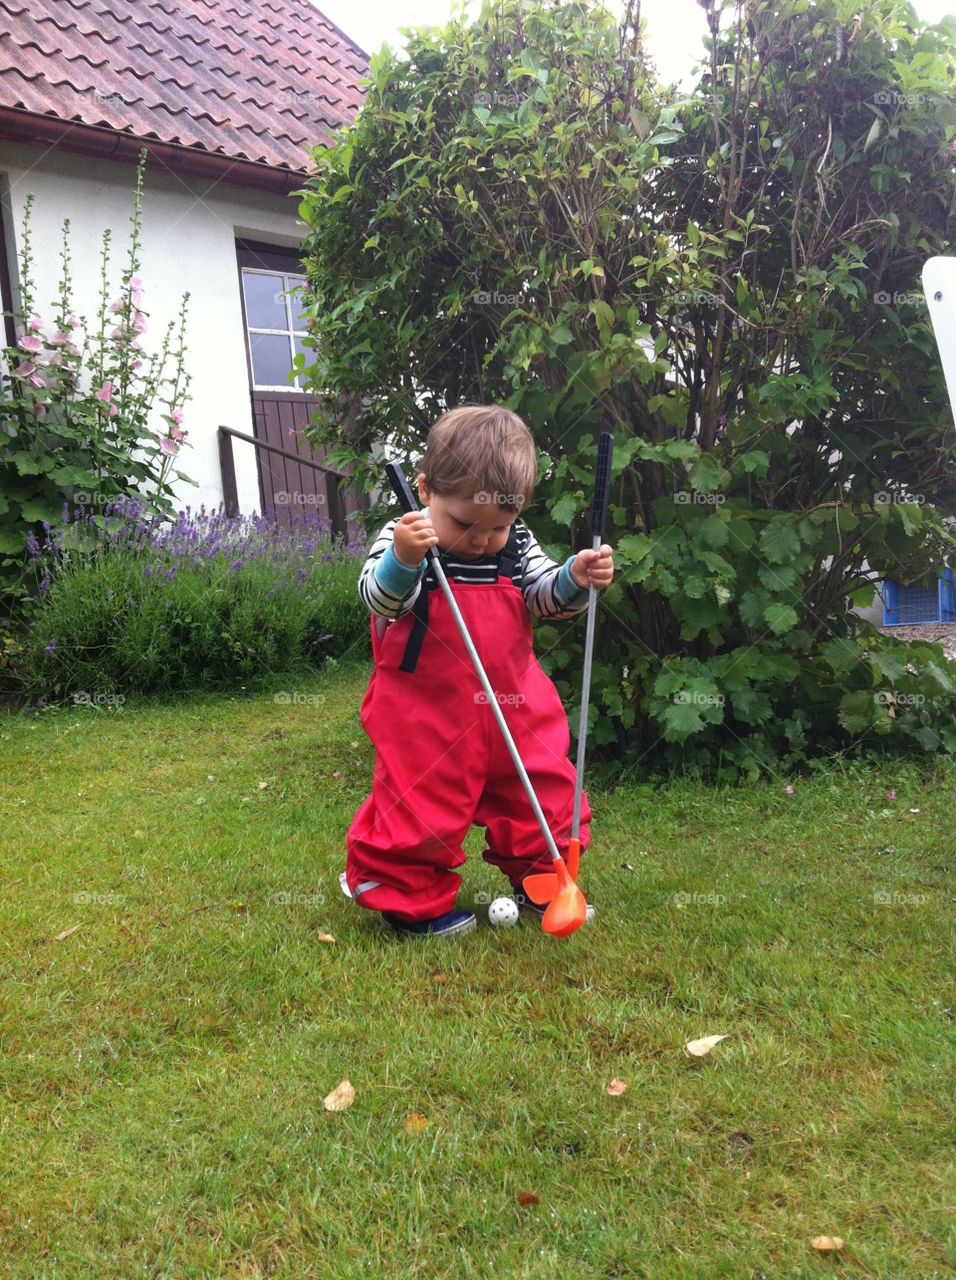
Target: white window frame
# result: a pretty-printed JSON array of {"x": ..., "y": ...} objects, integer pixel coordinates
[{"x": 288, "y": 332}]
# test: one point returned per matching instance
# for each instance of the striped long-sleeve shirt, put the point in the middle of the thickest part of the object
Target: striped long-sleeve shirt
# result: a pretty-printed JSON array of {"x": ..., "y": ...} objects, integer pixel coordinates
[{"x": 390, "y": 589}]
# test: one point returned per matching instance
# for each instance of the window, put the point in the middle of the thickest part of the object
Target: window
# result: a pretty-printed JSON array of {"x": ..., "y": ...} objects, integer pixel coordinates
[{"x": 275, "y": 325}]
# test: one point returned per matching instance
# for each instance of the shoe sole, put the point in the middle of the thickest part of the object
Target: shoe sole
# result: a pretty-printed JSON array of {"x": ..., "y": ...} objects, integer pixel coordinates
[{"x": 456, "y": 930}]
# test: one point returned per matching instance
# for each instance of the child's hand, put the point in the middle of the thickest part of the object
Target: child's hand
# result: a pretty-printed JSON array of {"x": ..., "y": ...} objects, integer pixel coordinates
[
  {"x": 595, "y": 567},
  {"x": 414, "y": 534}
]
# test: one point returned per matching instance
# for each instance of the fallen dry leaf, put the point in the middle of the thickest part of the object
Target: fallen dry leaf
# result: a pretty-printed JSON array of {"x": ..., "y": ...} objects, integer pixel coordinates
[
  {"x": 616, "y": 1088},
  {"x": 324, "y": 937},
  {"x": 416, "y": 1123},
  {"x": 528, "y": 1197},
  {"x": 826, "y": 1244},
  {"x": 337, "y": 774},
  {"x": 66, "y": 933},
  {"x": 439, "y": 979},
  {"x": 341, "y": 1097},
  {"x": 700, "y": 1048},
  {"x": 263, "y": 785}
]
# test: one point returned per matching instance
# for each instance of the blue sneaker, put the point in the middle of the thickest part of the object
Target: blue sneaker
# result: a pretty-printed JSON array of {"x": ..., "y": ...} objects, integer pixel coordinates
[
  {"x": 450, "y": 924},
  {"x": 533, "y": 910}
]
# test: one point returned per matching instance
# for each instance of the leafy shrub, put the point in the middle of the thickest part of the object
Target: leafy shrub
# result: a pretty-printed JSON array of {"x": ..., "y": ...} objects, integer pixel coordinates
[
  {"x": 729, "y": 282},
  {"x": 133, "y": 605}
]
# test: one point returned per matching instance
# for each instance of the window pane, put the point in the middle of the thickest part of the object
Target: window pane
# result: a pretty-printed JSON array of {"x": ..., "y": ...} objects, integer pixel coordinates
[
  {"x": 265, "y": 305},
  {"x": 271, "y": 361},
  {"x": 295, "y": 301}
]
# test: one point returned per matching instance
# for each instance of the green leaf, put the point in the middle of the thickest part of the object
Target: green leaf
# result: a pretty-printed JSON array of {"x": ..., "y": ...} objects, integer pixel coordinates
[
  {"x": 779, "y": 540},
  {"x": 565, "y": 509},
  {"x": 31, "y": 464},
  {"x": 681, "y": 719},
  {"x": 780, "y": 618},
  {"x": 856, "y": 711}
]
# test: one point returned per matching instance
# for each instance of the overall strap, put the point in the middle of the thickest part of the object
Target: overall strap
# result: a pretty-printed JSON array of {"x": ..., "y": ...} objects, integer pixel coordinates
[
  {"x": 416, "y": 636},
  {"x": 508, "y": 558}
]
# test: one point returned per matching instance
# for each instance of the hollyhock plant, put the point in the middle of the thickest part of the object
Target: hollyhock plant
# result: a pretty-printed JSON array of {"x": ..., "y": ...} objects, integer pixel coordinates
[{"x": 86, "y": 406}]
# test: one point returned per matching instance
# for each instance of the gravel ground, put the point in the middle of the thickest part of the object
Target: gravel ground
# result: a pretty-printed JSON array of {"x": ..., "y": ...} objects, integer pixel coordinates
[{"x": 933, "y": 632}]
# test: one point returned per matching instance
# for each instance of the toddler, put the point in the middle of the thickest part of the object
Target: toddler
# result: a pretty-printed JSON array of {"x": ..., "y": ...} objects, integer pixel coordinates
[{"x": 441, "y": 762}]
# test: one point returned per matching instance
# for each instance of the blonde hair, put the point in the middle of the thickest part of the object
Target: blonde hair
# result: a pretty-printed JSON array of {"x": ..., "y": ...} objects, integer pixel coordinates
[{"x": 483, "y": 451}]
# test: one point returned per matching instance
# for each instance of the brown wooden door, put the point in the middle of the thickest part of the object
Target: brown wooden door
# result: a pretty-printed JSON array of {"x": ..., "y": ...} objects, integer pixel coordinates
[{"x": 280, "y": 408}]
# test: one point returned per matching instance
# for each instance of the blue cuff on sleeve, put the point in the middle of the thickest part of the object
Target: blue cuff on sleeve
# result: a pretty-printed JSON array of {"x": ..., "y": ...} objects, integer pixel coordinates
[
  {"x": 568, "y": 590},
  {"x": 395, "y": 577}
]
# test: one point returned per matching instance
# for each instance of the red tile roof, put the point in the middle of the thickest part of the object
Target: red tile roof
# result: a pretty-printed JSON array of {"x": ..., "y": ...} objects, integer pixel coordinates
[{"x": 221, "y": 83}]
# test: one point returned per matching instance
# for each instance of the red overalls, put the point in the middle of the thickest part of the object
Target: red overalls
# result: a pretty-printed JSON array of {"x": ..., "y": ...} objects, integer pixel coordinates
[{"x": 441, "y": 764}]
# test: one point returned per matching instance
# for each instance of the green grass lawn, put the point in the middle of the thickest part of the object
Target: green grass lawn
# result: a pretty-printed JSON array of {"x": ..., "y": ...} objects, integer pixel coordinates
[{"x": 164, "y": 1066}]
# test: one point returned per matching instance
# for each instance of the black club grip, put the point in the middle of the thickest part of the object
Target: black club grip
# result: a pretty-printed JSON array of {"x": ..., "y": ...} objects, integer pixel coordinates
[
  {"x": 398, "y": 482},
  {"x": 602, "y": 484},
  {"x": 405, "y": 497}
]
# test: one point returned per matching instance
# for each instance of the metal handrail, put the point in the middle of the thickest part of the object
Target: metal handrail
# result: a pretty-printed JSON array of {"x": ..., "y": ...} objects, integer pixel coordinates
[{"x": 227, "y": 465}]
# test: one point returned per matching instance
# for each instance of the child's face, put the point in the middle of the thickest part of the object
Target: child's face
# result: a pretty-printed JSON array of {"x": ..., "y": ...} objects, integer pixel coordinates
[{"x": 469, "y": 529}]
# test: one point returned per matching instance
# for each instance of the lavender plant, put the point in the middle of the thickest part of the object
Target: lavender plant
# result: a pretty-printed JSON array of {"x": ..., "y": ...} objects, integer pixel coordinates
[
  {"x": 137, "y": 604},
  {"x": 76, "y": 404}
]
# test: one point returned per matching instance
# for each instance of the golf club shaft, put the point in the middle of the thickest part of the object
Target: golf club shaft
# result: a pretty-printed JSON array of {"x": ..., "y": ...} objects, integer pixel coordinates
[
  {"x": 404, "y": 494},
  {"x": 602, "y": 485}
]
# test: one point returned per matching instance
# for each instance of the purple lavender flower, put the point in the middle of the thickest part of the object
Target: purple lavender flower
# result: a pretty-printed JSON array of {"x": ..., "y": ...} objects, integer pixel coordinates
[
  {"x": 33, "y": 547},
  {"x": 49, "y": 648},
  {"x": 170, "y": 574},
  {"x": 148, "y": 571}
]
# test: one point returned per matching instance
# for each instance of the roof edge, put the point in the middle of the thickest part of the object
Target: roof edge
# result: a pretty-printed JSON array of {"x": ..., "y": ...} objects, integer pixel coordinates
[{"x": 18, "y": 125}]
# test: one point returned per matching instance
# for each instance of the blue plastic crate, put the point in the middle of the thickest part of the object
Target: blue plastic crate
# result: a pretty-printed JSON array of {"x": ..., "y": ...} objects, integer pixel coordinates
[{"x": 909, "y": 604}]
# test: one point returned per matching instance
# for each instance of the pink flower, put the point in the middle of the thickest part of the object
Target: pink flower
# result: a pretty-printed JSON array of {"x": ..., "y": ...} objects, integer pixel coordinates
[
  {"x": 72, "y": 322},
  {"x": 24, "y": 369},
  {"x": 117, "y": 335},
  {"x": 35, "y": 323},
  {"x": 105, "y": 392},
  {"x": 891, "y": 794},
  {"x": 59, "y": 338},
  {"x": 176, "y": 434},
  {"x": 139, "y": 322},
  {"x": 169, "y": 447},
  {"x": 72, "y": 348},
  {"x": 177, "y": 416},
  {"x": 137, "y": 364},
  {"x": 36, "y": 380},
  {"x": 117, "y": 306},
  {"x": 788, "y": 791},
  {"x": 31, "y": 344},
  {"x": 136, "y": 283}
]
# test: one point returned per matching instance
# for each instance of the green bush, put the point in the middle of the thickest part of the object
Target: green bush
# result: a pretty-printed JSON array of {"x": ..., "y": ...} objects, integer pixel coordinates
[
  {"x": 730, "y": 283},
  {"x": 133, "y": 606}
]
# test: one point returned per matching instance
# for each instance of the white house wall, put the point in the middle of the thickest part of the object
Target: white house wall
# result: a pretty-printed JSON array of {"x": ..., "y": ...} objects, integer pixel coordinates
[{"x": 188, "y": 235}]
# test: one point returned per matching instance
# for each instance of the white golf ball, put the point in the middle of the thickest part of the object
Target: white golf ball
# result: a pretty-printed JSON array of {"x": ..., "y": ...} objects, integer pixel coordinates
[{"x": 503, "y": 912}]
